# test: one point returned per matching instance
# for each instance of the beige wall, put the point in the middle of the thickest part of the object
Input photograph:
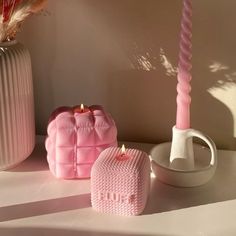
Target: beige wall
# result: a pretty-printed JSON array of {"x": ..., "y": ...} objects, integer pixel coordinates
[{"x": 123, "y": 54}]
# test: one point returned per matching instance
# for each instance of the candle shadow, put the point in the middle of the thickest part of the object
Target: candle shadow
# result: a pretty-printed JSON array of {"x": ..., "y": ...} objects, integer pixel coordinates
[
  {"x": 37, "y": 161},
  {"x": 39, "y": 231},
  {"x": 44, "y": 207}
]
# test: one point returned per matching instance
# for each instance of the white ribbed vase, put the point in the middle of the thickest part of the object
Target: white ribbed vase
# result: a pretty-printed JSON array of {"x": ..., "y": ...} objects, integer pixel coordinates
[{"x": 17, "y": 126}]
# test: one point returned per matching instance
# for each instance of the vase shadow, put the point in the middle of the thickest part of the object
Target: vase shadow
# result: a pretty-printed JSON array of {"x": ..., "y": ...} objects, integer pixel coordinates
[{"x": 37, "y": 161}]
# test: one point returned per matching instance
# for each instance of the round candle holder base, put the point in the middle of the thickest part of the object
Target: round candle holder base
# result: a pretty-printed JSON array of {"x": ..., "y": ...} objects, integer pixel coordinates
[{"x": 201, "y": 173}]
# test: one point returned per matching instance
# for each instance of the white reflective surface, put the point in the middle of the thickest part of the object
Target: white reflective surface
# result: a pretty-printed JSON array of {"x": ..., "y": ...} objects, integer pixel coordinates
[{"x": 33, "y": 202}]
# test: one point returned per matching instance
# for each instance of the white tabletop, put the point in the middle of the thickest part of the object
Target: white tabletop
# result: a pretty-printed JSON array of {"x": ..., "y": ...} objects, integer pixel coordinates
[{"x": 33, "y": 202}]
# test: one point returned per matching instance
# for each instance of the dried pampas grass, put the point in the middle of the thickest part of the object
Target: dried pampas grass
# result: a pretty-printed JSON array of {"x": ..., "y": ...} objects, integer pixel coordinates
[{"x": 18, "y": 11}]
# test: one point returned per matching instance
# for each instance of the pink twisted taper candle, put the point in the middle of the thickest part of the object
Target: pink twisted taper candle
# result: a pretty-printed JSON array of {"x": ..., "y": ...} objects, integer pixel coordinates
[{"x": 184, "y": 67}]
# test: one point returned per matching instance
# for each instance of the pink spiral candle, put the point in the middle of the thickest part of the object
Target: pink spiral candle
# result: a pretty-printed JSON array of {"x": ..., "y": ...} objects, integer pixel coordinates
[{"x": 184, "y": 67}]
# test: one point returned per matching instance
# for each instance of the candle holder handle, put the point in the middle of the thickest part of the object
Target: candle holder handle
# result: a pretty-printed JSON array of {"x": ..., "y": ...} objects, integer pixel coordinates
[{"x": 182, "y": 155}]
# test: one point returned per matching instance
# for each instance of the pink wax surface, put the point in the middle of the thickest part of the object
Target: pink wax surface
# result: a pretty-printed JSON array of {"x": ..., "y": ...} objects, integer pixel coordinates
[
  {"x": 120, "y": 183},
  {"x": 184, "y": 68},
  {"x": 75, "y": 140}
]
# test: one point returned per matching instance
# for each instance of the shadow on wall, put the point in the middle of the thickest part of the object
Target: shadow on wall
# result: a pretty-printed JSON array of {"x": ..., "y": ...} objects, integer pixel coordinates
[
  {"x": 43, "y": 57},
  {"x": 143, "y": 110},
  {"x": 125, "y": 54},
  {"x": 214, "y": 69},
  {"x": 147, "y": 89}
]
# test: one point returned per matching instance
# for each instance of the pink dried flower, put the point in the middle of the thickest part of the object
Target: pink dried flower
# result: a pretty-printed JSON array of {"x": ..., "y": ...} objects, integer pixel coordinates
[{"x": 13, "y": 13}]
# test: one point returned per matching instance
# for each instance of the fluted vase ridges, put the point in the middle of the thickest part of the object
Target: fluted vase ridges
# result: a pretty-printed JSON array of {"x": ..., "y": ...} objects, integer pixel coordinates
[{"x": 17, "y": 127}]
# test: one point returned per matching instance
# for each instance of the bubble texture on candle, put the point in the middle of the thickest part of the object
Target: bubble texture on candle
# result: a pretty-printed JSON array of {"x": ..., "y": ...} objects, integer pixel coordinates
[{"x": 75, "y": 140}]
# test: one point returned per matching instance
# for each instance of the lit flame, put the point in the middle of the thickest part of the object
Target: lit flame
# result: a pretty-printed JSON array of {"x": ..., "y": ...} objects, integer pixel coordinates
[
  {"x": 82, "y": 107},
  {"x": 123, "y": 149}
]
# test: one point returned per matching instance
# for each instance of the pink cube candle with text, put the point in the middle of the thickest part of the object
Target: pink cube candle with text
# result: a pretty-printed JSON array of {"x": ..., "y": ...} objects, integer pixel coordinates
[
  {"x": 120, "y": 182},
  {"x": 76, "y": 137}
]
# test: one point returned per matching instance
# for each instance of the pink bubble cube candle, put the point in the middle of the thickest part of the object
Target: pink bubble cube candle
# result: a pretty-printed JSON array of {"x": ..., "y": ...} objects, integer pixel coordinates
[
  {"x": 76, "y": 137},
  {"x": 120, "y": 181}
]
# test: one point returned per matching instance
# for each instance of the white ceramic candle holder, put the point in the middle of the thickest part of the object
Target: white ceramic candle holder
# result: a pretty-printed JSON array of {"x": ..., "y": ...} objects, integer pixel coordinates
[{"x": 182, "y": 163}]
